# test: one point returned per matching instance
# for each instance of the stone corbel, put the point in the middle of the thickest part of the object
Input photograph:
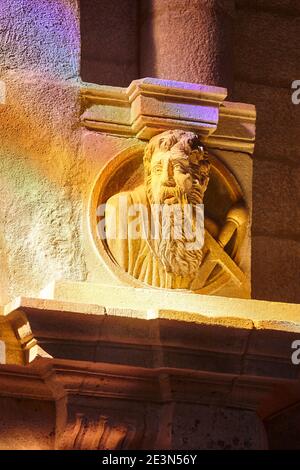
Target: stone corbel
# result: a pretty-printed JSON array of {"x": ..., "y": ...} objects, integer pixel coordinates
[
  {"x": 227, "y": 130},
  {"x": 150, "y": 106}
]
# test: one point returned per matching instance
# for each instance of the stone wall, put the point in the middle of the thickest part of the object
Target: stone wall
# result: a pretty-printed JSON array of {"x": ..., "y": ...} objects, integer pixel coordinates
[
  {"x": 40, "y": 214},
  {"x": 248, "y": 46},
  {"x": 267, "y": 60},
  {"x": 109, "y": 44},
  {"x": 187, "y": 40},
  {"x": 48, "y": 164}
]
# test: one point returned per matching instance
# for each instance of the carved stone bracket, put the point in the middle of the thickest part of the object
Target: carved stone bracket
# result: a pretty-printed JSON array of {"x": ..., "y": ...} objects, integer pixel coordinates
[{"x": 150, "y": 106}]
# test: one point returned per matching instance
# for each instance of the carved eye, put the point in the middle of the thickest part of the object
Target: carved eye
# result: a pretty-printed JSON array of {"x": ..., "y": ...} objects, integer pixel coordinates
[
  {"x": 157, "y": 169},
  {"x": 177, "y": 166},
  {"x": 180, "y": 168}
]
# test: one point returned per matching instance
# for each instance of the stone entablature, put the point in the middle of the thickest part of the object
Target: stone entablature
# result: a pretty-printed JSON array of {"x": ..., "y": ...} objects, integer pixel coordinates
[{"x": 177, "y": 369}]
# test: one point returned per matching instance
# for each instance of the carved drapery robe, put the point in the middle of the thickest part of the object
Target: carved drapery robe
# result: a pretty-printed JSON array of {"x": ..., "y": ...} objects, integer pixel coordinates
[{"x": 136, "y": 256}]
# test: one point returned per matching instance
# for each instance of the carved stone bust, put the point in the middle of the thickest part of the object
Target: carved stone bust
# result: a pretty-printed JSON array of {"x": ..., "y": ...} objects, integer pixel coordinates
[
  {"x": 180, "y": 253},
  {"x": 176, "y": 173}
]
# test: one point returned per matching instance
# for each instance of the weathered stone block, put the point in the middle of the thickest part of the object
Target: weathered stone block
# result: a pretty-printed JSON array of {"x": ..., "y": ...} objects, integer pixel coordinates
[
  {"x": 196, "y": 23},
  {"x": 276, "y": 196},
  {"x": 44, "y": 37},
  {"x": 109, "y": 42},
  {"x": 278, "y": 120},
  {"x": 266, "y": 47},
  {"x": 245, "y": 433},
  {"x": 275, "y": 269}
]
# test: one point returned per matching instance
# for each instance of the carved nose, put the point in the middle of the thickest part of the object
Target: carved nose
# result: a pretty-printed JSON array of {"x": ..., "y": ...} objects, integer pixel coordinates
[
  {"x": 167, "y": 175},
  {"x": 168, "y": 180}
]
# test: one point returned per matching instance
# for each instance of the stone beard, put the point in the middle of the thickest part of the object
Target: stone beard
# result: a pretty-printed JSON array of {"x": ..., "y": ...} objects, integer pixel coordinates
[
  {"x": 172, "y": 251},
  {"x": 176, "y": 176}
]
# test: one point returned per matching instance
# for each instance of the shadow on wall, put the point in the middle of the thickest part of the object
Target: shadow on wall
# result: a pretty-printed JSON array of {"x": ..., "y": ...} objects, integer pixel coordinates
[{"x": 109, "y": 45}]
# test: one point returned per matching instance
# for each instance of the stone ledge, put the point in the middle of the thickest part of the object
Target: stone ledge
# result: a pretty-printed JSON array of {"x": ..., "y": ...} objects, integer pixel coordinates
[
  {"x": 168, "y": 304},
  {"x": 163, "y": 338}
]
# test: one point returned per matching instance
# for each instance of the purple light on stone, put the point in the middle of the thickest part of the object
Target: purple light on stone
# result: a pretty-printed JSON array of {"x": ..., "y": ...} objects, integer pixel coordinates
[{"x": 47, "y": 36}]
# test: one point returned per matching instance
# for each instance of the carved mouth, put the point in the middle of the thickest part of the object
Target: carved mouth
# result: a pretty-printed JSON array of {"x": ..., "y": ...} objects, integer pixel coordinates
[{"x": 168, "y": 196}]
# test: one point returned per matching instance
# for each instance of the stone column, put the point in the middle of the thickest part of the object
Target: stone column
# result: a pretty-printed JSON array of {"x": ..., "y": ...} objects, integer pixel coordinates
[{"x": 187, "y": 40}]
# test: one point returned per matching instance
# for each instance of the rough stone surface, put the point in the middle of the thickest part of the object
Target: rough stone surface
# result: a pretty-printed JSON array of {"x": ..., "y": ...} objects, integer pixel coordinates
[
  {"x": 109, "y": 42},
  {"x": 217, "y": 375},
  {"x": 3, "y": 273},
  {"x": 225, "y": 429},
  {"x": 285, "y": 423},
  {"x": 40, "y": 137},
  {"x": 40, "y": 180},
  {"x": 266, "y": 62},
  {"x": 266, "y": 48},
  {"x": 187, "y": 40},
  {"x": 172, "y": 305},
  {"x": 45, "y": 181},
  {"x": 40, "y": 35},
  {"x": 278, "y": 121},
  {"x": 276, "y": 196},
  {"x": 26, "y": 424},
  {"x": 275, "y": 268},
  {"x": 281, "y": 7}
]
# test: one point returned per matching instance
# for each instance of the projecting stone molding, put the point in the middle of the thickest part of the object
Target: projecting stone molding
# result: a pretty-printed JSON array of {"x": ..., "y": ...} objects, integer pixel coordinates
[
  {"x": 149, "y": 106},
  {"x": 119, "y": 374}
]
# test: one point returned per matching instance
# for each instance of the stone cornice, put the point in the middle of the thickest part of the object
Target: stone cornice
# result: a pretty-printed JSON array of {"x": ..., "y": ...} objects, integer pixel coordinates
[
  {"x": 105, "y": 366},
  {"x": 149, "y": 106},
  {"x": 167, "y": 340}
]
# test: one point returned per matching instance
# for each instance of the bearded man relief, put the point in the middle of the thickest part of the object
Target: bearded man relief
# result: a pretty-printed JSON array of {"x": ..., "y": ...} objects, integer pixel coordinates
[{"x": 164, "y": 246}]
